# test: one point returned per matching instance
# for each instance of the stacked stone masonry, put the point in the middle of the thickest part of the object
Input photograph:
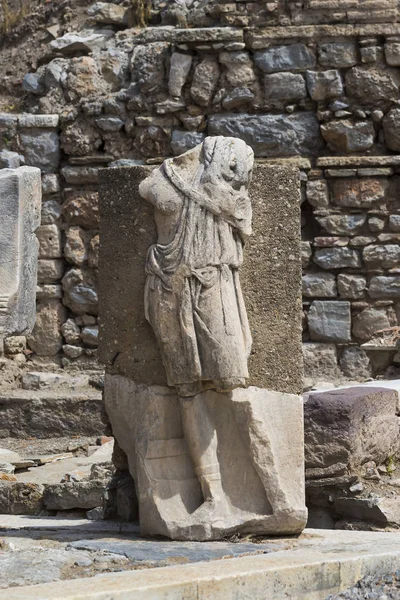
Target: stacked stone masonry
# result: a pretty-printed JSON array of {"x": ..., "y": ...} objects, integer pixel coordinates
[{"x": 299, "y": 82}]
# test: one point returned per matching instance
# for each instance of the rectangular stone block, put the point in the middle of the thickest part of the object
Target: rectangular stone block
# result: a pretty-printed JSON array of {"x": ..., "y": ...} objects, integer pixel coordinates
[
  {"x": 262, "y": 473},
  {"x": 20, "y": 200},
  {"x": 270, "y": 278}
]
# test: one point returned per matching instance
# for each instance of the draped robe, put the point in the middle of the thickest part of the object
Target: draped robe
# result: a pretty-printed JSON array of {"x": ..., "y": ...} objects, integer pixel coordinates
[{"x": 193, "y": 298}]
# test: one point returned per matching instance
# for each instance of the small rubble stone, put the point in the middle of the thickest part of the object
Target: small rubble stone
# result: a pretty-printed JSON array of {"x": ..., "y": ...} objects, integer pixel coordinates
[
  {"x": 391, "y": 128},
  {"x": 182, "y": 141},
  {"x": 69, "y": 495},
  {"x": 394, "y": 223},
  {"x": 381, "y": 257},
  {"x": 337, "y": 258},
  {"x": 46, "y": 338},
  {"x": 317, "y": 193},
  {"x": 50, "y": 245},
  {"x": 296, "y": 57},
  {"x": 81, "y": 207},
  {"x": 346, "y": 137},
  {"x": 180, "y": 65},
  {"x": 284, "y": 86},
  {"x": 85, "y": 41},
  {"x": 376, "y": 224},
  {"x": 382, "y": 286},
  {"x": 323, "y": 85},
  {"x": 108, "y": 13},
  {"x": 71, "y": 331},
  {"x": 48, "y": 292},
  {"x": 40, "y": 148},
  {"x": 351, "y": 286},
  {"x": 72, "y": 351},
  {"x": 90, "y": 335},
  {"x": 51, "y": 212},
  {"x": 392, "y": 54},
  {"x": 330, "y": 321},
  {"x": 148, "y": 66},
  {"x": 342, "y": 224},
  {"x": 370, "y": 85},
  {"x": 50, "y": 270},
  {"x": 369, "y": 321},
  {"x": 319, "y": 285},
  {"x": 205, "y": 79},
  {"x": 14, "y": 344},
  {"x": 337, "y": 54},
  {"x": 239, "y": 67},
  {"x": 359, "y": 193},
  {"x": 76, "y": 246},
  {"x": 239, "y": 97},
  {"x": 10, "y": 160},
  {"x": 80, "y": 293},
  {"x": 306, "y": 253},
  {"x": 355, "y": 364}
]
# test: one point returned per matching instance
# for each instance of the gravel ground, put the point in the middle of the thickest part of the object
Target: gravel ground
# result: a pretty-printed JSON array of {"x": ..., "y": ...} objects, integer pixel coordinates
[{"x": 386, "y": 587}]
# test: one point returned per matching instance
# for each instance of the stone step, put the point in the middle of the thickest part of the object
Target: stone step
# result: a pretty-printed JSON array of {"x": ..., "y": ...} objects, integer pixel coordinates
[{"x": 48, "y": 413}]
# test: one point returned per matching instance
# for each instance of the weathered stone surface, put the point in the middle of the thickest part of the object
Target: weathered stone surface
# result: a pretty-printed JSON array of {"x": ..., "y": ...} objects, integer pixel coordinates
[
  {"x": 355, "y": 364},
  {"x": 378, "y": 510},
  {"x": 296, "y": 57},
  {"x": 261, "y": 485},
  {"x": 239, "y": 67},
  {"x": 109, "y": 13},
  {"x": 17, "y": 499},
  {"x": 323, "y": 85},
  {"x": 81, "y": 207},
  {"x": 125, "y": 215},
  {"x": 90, "y": 335},
  {"x": 394, "y": 223},
  {"x": 40, "y": 148},
  {"x": 345, "y": 136},
  {"x": 77, "y": 494},
  {"x": 76, "y": 246},
  {"x": 80, "y": 294},
  {"x": 46, "y": 338},
  {"x": 284, "y": 86},
  {"x": 239, "y": 97},
  {"x": 182, "y": 141},
  {"x": 50, "y": 270},
  {"x": 84, "y": 78},
  {"x": 337, "y": 258},
  {"x": 179, "y": 70},
  {"x": 20, "y": 198},
  {"x": 351, "y": 286},
  {"x": 392, "y": 54},
  {"x": 317, "y": 193},
  {"x": 205, "y": 79},
  {"x": 369, "y": 84},
  {"x": 391, "y": 128},
  {"x": 306, "y": 253},
  {"x": 10, "y": 160},
  {"x": 320, "y": 361},
  {"x": 148, "y": 66},
  {"x": 14, "y": 345},
  {"x": 49, "y": 237},
  {"x": 51, "y": 211},
  {"x": 342, "y": 224},
  {"x": 271, "y": 135},
  {"x": 329, "y": 321},
  {"x": 71, "y": 331},
  {"x": 349, "y": 427},
  {"x": 359, "y": 193},
  {"x": 337, "y": 54},
  {"x": 381, "y": 257},
  {"x": 322, "y": 285},
  {"x": 85, "y": 41},
  {"x": 369, "y": 321},
  {"x": 382, "y": 286}
]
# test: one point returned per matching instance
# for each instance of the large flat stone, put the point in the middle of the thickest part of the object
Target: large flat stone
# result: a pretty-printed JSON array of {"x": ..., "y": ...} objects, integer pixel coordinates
[
  {"x": 319, "y": 563},
  {"x": 273, "y": 299},
  {"x": 20, "y": 199}
]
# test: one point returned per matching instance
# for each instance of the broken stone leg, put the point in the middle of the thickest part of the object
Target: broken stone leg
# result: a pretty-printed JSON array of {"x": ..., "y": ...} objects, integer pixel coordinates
[
  {"x": 212, "y": 466},
  {"x": 20, "y": 200}
]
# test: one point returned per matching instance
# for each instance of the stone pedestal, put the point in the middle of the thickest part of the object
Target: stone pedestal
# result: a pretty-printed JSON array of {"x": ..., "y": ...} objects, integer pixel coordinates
[
  {"x": 218, "y": 463},
  {"x": 259, "y": 437},
  {"x": 20, "y": 200}
]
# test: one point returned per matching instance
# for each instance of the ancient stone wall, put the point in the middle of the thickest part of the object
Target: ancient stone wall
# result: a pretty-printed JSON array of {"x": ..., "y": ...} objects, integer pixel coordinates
[{"x": 313, "y": 83}]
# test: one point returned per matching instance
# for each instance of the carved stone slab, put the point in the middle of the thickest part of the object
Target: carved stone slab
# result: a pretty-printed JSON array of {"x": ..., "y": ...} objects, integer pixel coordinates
[
  {"x": 270, "y": 278},
  {"x": 20, "y": 201},
  {"x": 259, "y": 435}
]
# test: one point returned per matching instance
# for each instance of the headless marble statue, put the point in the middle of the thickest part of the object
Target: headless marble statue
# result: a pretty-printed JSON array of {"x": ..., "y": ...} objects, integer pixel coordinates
[{"x": 193, "y": 298}]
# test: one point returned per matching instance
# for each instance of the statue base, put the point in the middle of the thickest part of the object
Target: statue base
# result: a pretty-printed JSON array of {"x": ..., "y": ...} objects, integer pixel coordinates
[{"x": 212, "y": 466}]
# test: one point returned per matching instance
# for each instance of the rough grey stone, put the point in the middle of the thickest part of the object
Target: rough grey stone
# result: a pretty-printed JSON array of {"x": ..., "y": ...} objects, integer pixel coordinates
[
  {"x": 80, "y": 292},
  {"x": 329, "y": 321},
  {"x": 381, "y": 257},
  {"x": 351, "y": 286},
  {"x": 382, "y": 286},
  {"x": 337, "y": 258},
  {"x": 109, "y": 13},
  {"x": 110, "y": 123},
  {"x": 76, "y": 246},
  {"x": 346, "y": 137},
  {"x": 320, "y": 361},
  {"x": 317, "y": 193},
  {"x": 369, "y": 321},
  {"x": 271, "y": 135},
  {"x": 337, "y": 54},
  {"x": 32, "y": 82},
  {"x": 49, "y": 237},
  {"x": 50, "y": 183},
  {"x": 90, "y": 335},
  {"x": 48, "y": 292},
  {"x": 148, "y": 65},
  {"x": 85, "y": 41},
  {"x": 296, "y": 57},
  {"x": 391, "y": 128},
  {"x": 322, "y": 285},
  {"x": 324, "y": 84},
  {"x": 370, "y": 84},
  {"x": 205, "y": 79},
  {"x": 239, "y": 67},
  {"x": 355, "y": 364},
  {"x": 392, "y": 54},
  {"x": 180, "y": 65},
  {"x": 238, "y": 97},
  {"x": 306, "y": 253},
  {"x": 71, "y": 331},
  {"x": 394, "y": 223},
  {"x": 40, "y": 148},
  {"x": 342, "y": 224},
  {"x": 10, "y": 160},
  {"x": 182, "y": 141},
  {"x": 51, "y": 212},
  {"x": 284, "y": 86}
]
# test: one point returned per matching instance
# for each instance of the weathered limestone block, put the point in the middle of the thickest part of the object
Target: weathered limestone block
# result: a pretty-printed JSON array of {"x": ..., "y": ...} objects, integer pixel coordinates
[
  {"x": 370, "y": 85},
  {"x": 271, "y": 135},
  {"x": 296, "y": 57},
  {"x": 384, "y": 286},
  {"x": 337, "y": 54},
  {"x": 351, "y": 286},
  {"x": 346, "y": 428},
  {"x": 355, "y": 364},
  {"x": 322, "y": 285},
  {"x": 20, "y": 199},
  {"x": 205, "y": 79},
  {"x": 369, "y": 321},
  {"x": 324, "y": 84},
  {"x": 359, "y": 193},
  {"x": 345, "y": 136},
  {"x": 263, "y": 492},
  {"x": 391, "y": 128},
  {"x": 317, "y": 193},
  {"x": 46, "y": 338},
  {"x": 320, "y": 361},
  {"x": 342, "y": 224},
  {"x": 381, "y": 257},
  {"x": 284, "y": 86},
  {"x": 179, "y": 70},
  {"x": 330, "y": 321},
  {"x": 239, "y": 67}
]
